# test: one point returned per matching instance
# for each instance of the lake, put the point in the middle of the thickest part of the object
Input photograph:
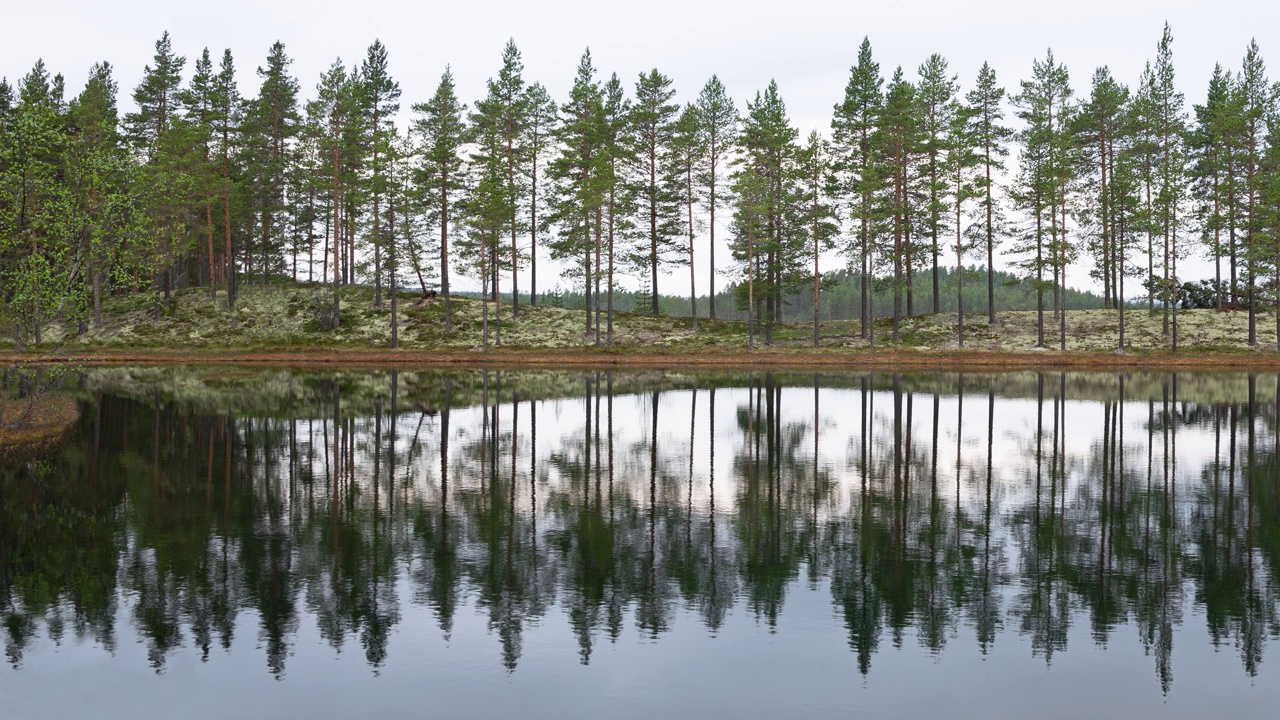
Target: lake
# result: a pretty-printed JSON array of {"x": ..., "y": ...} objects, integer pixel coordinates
[{"x": 248, "y": 542}]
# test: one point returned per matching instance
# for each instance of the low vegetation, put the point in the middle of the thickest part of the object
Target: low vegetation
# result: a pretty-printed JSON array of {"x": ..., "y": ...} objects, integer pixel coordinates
[{"x": 294, "y": 319}]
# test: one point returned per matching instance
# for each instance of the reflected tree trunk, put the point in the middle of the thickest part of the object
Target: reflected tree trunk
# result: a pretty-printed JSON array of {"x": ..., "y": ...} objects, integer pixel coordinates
[{"x": 1039, "y": 440}]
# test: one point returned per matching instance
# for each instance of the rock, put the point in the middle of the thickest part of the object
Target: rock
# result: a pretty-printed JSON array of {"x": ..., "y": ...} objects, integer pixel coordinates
[{"x": 428, "y": 298}]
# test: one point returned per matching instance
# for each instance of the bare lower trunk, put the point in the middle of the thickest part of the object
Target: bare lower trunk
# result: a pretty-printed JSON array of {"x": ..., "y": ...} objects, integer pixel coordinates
[
  {"x": 484, "y": 302},
  {"x": 1120, "y": 300},
  {"x": 444, "y": 256},
  {"x": 693, "y": 283},
  {"x": 711, "y": 258},
  {"x": 213, "y": 282},
  {"x": 497, "y": 298},
  {"x": 609, "y": 282},
  {"x": 599, "y": 271},
  {"x": 586, "y": 277},
  {"x": 751, "y": 295},
  {"x": 959, "y": 293},
  {"x": 395, "y": 316},
  {"x": 97, "y": 298}
]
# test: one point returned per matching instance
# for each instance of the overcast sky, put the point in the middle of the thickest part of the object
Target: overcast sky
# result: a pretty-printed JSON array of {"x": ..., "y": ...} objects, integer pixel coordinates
[{"x": 806, "y": 45}]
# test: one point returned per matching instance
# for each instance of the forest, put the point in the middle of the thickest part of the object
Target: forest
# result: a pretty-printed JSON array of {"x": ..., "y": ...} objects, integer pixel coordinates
[{"x": 620, "y": 185}]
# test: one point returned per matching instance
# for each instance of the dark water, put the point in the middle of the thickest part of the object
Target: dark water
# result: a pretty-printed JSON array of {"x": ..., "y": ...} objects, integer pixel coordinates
[{"x": 398, "y": 544}]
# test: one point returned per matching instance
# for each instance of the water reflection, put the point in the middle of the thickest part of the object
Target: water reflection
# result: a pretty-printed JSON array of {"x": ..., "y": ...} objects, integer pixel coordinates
[{"x": 934, "y": 510}]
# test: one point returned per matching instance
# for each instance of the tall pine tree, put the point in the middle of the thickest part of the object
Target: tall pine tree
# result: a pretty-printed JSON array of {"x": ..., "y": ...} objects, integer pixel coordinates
[
  {"x": 858, "y": 170},
  {"x": 656, "y": 176},
  {"x": 990, "y": 138},
  {"x": 442, "y": 132},
  {"x": 381, "y": 102},
  {"x": 718, "y": 120}
]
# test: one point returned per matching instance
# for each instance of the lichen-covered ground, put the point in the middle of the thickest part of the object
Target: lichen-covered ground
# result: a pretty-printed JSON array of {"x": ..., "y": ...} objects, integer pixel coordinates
[
  {"x": 296, "y": 317},
  {"x": 293, "y": 318},
  {"x": 1087, "y": 331}
]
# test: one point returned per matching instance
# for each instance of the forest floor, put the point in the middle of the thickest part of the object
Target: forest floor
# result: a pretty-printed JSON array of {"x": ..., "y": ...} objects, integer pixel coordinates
[{"x": 287, "y": 325}]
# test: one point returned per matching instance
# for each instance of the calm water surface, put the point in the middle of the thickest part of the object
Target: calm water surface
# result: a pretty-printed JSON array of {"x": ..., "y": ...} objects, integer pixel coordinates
[{"x": 215, "y": 544}]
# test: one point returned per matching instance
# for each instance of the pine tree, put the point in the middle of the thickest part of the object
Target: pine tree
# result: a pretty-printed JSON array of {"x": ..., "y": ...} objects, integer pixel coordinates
[
  {"x": 6, "y": 104},
  {"x": 539, "y": 131},
  {"x": 719, "y": 121},
  {"x": 1170, "y": 128},
  {"x": 936, "y": 93},
  {"x": 767, "y": 238},
  {"x": 857, "y": 168},
  {"x": 158, "y": 99},
  {"x": 98, "y": 170},
  {"x": 963, "y": 172},
  {"x": 380, "y": 96},
  {"x": 442, "y": 132},
  {"x": 619, "y": 201},
  {"x": 1047, "y": 171},
  {"x": 819, "y": 224},
  {"x": 1258, "y": 98},
  {"x": 1103, "y": 134},
  {"x": 226, "y": 117},
  {"x": 413, "y": 215},
  {"x": 165, "y": 143},
  {"x": 990, "y": 139},
  {"x": 504, "y": 111},
  {"x": 749, "y": 184},
  {"x": 1099, "y": 129},
  {"x": 501, "y": 117},
  {"x": 1125, "y": 212},
  {"x": 36, "y": 245},
  {"x": 487, "y": 208},
  {"x": 687, "y": 152},
  {"x": 1211, "y": 150},
  {"x": 579, "y": 173},
  {"x": 1142, "y": 113},
  {"x": 398, "y": 151},
  {"x": 899, "y": 147},
  {"x": 271, "y": 126},
  {"x": 7, "y": 203},
  {"x": 1269, "y": 203},
  {"x": 653, "y": 124},
  {"x": 173, "y": 194},
  {"x": 337, "y": 108},
  {"x": 200, "y": 104},
  {"x": 305, "y": 193}
]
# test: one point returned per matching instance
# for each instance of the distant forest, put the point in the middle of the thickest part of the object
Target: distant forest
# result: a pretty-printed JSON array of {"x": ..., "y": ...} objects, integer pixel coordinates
[
  {"x": 841, "y": 294},
  {"x": 205, "y": 184}
]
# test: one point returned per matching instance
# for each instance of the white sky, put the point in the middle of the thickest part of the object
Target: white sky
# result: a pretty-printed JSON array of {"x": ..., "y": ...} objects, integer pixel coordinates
[{"x": 806, "y": 45}]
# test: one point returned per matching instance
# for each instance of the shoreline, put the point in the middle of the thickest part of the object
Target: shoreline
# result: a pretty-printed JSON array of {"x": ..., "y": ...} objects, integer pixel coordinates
[{"x": 832, "y": 359}]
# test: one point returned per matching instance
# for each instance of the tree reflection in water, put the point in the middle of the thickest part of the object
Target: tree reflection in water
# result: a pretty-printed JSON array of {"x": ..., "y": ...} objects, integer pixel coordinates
[{"x": 943, "y": 508}]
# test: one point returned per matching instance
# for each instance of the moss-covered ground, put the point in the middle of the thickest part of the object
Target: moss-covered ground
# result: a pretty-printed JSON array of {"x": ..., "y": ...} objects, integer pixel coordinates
[{"x": 295, "y": 319}]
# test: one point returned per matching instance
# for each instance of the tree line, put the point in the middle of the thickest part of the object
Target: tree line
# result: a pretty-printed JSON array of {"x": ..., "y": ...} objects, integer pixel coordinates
[
  {"x": 619, "y": 184},
  {"x": 840, "y": 293}
]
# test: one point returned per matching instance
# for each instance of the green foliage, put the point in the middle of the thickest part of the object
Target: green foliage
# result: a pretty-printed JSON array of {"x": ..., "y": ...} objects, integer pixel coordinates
[
  {"x": 718, "y": 123},
  {"x": 841, "y": 295},
  {"x": 438, "y": 179},
  {"x": 856, "y": 167},
  {"x": 201, "y": 187},
  {"x": 769, "y": 250},
  {"x": 655, "y": 175}
]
